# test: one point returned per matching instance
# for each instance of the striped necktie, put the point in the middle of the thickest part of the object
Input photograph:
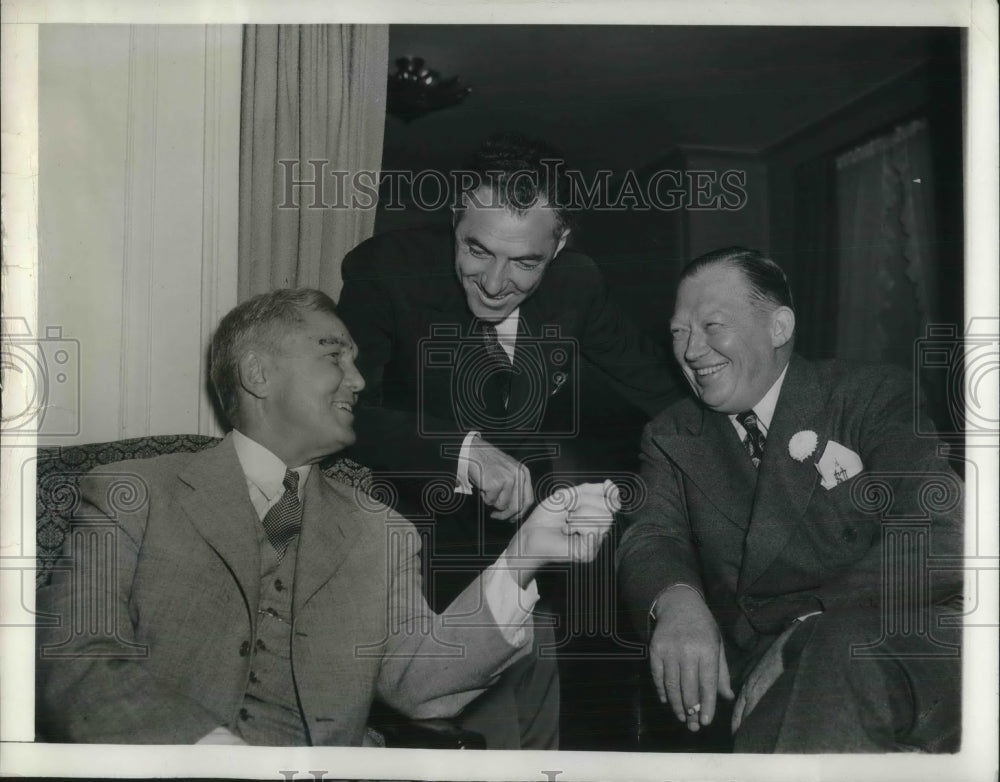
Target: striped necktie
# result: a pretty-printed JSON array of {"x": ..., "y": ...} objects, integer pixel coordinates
[
  {"x": 284, "y": 520},
  {"x": 754, "y": 441}
]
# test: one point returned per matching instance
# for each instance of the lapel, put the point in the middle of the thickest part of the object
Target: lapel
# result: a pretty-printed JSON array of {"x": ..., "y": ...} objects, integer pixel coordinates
[
  {"x": 708, "y": 451},
  {"x": 537, "y": 377},
  {"x": 219, "y": 507},
  {"x": 784, "y": 486},
  {"x": 331, "y": 525}
]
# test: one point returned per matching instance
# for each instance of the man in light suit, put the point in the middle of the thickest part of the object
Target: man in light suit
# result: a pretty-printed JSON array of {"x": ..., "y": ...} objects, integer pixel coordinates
[
  {"x": 256, "y": 601},
  {"x": 788, "y": 504}
]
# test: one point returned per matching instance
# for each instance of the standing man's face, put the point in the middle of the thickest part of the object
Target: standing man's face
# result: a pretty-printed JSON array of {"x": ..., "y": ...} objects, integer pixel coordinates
[
  {"x": 501, "y": 257},
  {"x": 727, "y": 346}
]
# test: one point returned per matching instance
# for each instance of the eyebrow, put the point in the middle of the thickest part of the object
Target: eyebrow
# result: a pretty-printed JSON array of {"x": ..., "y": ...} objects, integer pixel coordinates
[
  {"x": 336, "y": 341},
  {"x": 472, "y": 241},
  {"x": 526, "y": 257}
]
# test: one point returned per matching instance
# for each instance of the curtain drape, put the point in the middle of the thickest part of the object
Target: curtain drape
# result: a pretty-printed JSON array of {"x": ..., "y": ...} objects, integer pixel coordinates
[
  {"x": 313, "y": 116},
  {"x": 885, "y": 218},
  {"x": 812, "y": 265}
]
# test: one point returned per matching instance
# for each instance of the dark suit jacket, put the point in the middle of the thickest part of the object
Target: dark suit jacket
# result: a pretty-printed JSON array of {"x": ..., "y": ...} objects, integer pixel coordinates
[
  {"x": 765, "y": 554},
  {"x": 407, "y": 311},
  {"x": 181, "y": 592}
]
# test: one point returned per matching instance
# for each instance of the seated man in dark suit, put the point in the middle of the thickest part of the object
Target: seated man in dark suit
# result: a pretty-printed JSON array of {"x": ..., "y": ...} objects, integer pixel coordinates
[
  {"x": 256, "y": 601},
  {"x": 782, "y": 555},
  {"x": 473, "y": 339}
]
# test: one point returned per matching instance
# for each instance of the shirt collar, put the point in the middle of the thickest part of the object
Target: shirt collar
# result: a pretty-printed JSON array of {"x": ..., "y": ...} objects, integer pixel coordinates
[
  {"x": 262, "y": 468},
  {"x": 764, "y": 409}
]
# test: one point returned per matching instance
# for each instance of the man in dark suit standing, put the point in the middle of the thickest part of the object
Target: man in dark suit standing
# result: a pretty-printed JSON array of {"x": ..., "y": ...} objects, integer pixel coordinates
[
  {"x": 255, "y": 600},
  {"x": 473, "y": 338},
  {"x": 783, "y": 556}
]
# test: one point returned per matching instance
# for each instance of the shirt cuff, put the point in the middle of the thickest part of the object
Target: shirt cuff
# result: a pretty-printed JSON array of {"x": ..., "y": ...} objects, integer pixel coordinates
[
  {"x": 510, "y": 605},
  {"x": 221, "y": 735},
  {"x": 462, "y": 484},
  {"x": 652, "y": 606}
]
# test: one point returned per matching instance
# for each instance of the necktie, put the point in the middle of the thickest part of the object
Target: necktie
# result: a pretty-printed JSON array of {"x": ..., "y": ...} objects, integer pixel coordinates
[
  {"x": 498, "y": 379},
  {"x": 284, "y": 520},
  {"x": 754, "y": 441}
]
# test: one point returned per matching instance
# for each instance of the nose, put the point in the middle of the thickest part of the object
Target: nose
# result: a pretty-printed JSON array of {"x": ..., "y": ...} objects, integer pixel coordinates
[
  {"x": 494, "y": 277},
  {"x": 696, "y": 346},
  {"x": 353, "y": 378}
]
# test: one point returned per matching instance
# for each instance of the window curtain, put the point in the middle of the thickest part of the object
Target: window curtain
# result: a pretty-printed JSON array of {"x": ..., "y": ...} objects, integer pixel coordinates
[
  {"x": 885, "y": 224},
  {"x": 310, "y": 93}
]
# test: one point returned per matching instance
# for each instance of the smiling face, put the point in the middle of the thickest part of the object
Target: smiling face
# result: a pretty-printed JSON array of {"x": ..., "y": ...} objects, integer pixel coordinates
[
  {"x": 310, "y": 385},
  {"x": 501, "y": 257},
  {"x": 730, "y": 347}
]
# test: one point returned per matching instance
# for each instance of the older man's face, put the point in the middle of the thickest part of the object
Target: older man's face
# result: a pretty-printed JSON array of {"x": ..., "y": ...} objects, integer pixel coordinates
[
  {"x": 727, "y": 346},
  {"x": 501, "y": 257},
  {"x": 313, "y": 386}
]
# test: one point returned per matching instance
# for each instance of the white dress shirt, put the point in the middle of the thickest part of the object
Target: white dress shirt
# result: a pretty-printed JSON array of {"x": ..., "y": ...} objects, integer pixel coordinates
[{"x": 764, "y": 409}]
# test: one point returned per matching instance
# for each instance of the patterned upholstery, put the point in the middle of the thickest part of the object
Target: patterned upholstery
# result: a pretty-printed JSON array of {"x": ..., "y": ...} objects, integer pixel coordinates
[{"x": 59, "y": 470}]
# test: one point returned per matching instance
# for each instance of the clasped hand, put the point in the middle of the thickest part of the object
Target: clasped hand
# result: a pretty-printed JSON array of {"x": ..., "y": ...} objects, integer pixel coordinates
[
  {"x": 503, "y": 482},
  {"x": 567, "y": 526}
]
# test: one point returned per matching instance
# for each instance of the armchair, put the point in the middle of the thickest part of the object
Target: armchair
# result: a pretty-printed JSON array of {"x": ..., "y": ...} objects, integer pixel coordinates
[{"x": 58, "y": 472}]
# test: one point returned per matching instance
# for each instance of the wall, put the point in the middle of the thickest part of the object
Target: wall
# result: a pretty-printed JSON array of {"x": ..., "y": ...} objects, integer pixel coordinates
[{"x": 138, "y": 183}]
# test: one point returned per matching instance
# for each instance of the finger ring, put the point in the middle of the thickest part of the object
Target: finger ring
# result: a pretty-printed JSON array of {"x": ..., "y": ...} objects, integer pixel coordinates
[{"x": 694, "y": 710}]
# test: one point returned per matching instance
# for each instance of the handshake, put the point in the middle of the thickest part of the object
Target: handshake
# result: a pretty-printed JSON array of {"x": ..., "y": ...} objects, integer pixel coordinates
[{"x": 567, "y": 526}]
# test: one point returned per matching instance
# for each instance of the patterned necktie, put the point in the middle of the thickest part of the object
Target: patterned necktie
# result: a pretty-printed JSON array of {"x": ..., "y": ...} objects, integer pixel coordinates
[
  {"x": 754, "y": 441},
  {"x": 284, "y": 520},
  {"x": 499, "y": 378}
]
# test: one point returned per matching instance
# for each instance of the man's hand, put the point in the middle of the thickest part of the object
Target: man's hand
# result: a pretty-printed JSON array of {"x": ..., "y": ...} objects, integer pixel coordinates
[
  {"x": 687, "y": 658},
  {"x": 503, "y": 482},
  {"x": 759, "y": 681},
  {"x": 568, "y": 526}
]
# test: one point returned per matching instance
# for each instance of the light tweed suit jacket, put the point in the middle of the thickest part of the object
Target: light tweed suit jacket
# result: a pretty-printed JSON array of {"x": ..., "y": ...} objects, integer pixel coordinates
[{"x": 157, "y": 652}]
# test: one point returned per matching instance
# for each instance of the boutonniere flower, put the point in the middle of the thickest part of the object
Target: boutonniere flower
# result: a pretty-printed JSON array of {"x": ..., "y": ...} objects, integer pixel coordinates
[
  {"x": 803, "y": 445},
  {"x": 836, "y": 465}
]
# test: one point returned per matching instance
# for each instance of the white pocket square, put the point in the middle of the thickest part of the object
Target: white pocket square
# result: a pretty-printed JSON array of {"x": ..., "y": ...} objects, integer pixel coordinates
[{"x": 838, "y": 464}]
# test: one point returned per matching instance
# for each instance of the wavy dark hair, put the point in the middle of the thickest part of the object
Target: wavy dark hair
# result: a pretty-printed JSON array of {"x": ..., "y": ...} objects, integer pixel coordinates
[{"x": 521, "y": 172}]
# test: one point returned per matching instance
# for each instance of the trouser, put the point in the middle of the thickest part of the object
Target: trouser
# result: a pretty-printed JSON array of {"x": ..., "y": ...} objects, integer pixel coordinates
[
  {"x": 520, "y": 711},
  {"x": 854, "y": 682}
]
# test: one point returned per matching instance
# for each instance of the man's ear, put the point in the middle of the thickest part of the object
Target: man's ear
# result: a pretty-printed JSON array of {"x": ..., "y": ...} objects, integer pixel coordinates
[
  {"x": 561, "y": 242},
  {"x": 782, "y": 326},
  {"x": 254, "y": 374}
]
